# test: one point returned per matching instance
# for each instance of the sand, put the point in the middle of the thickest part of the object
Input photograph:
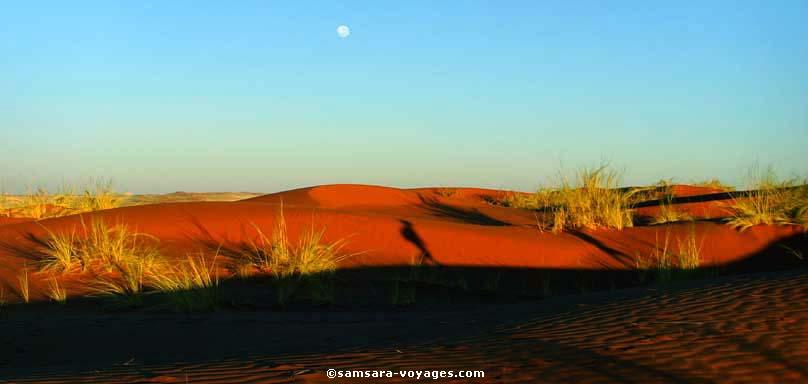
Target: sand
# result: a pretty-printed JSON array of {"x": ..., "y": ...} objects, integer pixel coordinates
[{"x": 748, "y": 327}]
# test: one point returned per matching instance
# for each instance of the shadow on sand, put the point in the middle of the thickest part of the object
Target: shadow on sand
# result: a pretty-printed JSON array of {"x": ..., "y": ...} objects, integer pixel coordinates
[{"x": 263, "y": 318}]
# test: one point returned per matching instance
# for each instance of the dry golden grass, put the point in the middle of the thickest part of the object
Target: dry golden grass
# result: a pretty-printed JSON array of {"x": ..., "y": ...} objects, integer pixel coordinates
[
  {"x": 276, "y": 254},
  {"x": 42, "y": 204},
  {"x": 591, "y": 200},
  {"x": 771, "y": 202},
  {"x": 184, "y": 197},
  {"x": 665, "y": 262},
  {"x": 669, "y": 214},
  {"x": 96, "y": 197},
  {"x": 5, "y": 205},
  {"x": 715, "y": 184},
  {"x": 127, "y": 263},
  {"x": 60, "y": 252},
  {"x": 56, "y": 292},
  {"x": 191, "y": 285},
  {"x": 192, "y": 273},
  {"x": 689, "y": 251},
  {"x": 118, "y": 258},
  {"x": 22, "y": 279}
]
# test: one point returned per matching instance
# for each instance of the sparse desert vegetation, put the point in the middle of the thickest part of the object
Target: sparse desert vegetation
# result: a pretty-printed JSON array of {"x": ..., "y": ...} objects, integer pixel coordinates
[
  {"x": 39, "y": 203},
  {"x": 714, "y": 183},
  {"x": 591, "y": 200},
  {"x": 261, "y": 256},
  {"x": 127, "y": 263},
  {"x": 668, "y": 213},
  {"x": 22, "y": 280},
  {"x": 666, "y": 262},
  {"x": 771, "y": 201},
  {"x": 277, "y": 255},
  {"x": 55, "y": 291}
]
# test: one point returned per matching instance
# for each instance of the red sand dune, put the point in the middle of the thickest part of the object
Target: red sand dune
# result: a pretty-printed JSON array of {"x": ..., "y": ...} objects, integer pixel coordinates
[
  {"x": 751, "y": 328},
  {"x": 390, "y": 226},
  {"x": 13, "y": 220}
]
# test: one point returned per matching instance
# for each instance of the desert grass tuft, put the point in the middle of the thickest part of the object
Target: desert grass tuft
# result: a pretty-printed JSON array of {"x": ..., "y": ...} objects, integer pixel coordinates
[
  {"x": 714, "y": 183},
  {"x": 22, "y": 279},
  {"x": 41, "y": 204},
  {"x": 667, "y": 263},
  {"x": 191, "y": 285},
  {"x": 771, "y": 202},
  {"x": 98, "y": 196},
  {"x": 60, "y": 251},
  {"x": 118, "y": 258},
  {"x": 689, "y": 251},
  {"x": 669, "y": 214},
  {"x": 5, "y": 205},
  {"x": 314, "y": 255},
  {"x": 56, "y": 292},
  {"x": 591, "y": 200},
  {"x": 280, "y": 257}
]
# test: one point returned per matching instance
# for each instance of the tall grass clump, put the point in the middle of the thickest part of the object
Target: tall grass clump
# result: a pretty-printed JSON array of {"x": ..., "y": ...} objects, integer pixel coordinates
[
  {"x": 268, "y": 253},
  {"x": 118, "y": 258},
  {"x": 98, "y": 196},
  {"x": 668, "y": 213},
  {"x": 714, "y": 183},
  {"x": 771, "y": 202},
  {"x": 60, "y": 252},
  {"x": 5, "y": 205},
  {"x": 126, "y": 263},
  {"x": 42, "y": 204},
  {"x": 667, "y": 262},
  {"x": 56, "y": 292},
  {"x": 191, "y": 284},
  {"x": 591, "y": 200},
  {"x": 276, "y": 254}
]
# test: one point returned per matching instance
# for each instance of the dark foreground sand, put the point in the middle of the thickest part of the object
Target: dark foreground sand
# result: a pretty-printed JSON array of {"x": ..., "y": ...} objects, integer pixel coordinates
[{"x": 750, "y": 328}]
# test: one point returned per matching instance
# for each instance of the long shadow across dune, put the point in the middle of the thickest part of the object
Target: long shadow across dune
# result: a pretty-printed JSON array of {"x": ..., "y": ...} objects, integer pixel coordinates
[
  {"x": 464, "y": 215},
  {"x": 360, "y": 319}
]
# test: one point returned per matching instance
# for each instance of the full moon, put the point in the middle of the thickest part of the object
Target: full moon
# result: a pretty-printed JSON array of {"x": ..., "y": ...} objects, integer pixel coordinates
[{"x": 343, "y": 31}]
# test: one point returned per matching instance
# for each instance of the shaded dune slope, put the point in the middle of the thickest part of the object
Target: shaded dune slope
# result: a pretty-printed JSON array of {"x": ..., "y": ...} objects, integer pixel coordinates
[
  {"x": 389, "y": 226},
  {"x": 749, "y": 329}
]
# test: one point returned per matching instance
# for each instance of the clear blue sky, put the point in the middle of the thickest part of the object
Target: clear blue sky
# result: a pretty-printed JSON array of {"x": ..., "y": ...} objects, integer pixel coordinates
[{"x": 264, "y": 96}]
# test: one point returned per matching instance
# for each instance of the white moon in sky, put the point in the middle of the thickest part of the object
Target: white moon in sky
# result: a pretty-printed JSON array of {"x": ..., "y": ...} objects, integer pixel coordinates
[{"x": 343, "y": 31}]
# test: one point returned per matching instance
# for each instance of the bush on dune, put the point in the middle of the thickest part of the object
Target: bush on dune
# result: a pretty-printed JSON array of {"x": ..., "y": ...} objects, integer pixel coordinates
[
  {"x": 669, "y": 214},
  {"x": 283, "y": 258},
  {"x": 126, "y": 263},
  {"x": 41, "y": 204},
  {"x": 591, "y": 200},
  {"x": 771, "y": 202},
  {"x": 714, "y": 183}
]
